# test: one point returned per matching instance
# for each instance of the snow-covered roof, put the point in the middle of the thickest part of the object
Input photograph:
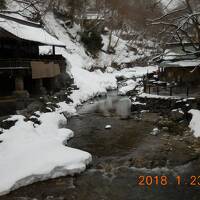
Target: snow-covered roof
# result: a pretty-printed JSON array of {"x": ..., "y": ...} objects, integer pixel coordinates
[
  {"x": 175, "y": 52},
  {"x": 183, "y": 63},
  {"x": 15, "y": 15},
  {"x": 92, "y": 16},
  {"x": 28, "y": 31},
  {"x": 176, "y": 56}
]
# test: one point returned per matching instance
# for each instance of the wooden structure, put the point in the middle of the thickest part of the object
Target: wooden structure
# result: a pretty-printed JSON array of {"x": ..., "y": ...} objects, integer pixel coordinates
[
  {"x": 91, "y": 20},
  {"x": 177, "y": 67},
  {"x": 186, "y": 75},
  {"x": 22, "y": 68}
]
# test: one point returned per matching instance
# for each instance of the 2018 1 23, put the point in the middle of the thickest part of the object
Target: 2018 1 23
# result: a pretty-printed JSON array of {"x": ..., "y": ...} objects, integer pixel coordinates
[{"x": 165, "y": 180}]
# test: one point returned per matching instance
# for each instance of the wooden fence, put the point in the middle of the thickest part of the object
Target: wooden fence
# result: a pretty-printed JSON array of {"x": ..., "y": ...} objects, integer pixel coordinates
[{"x": 167, "y": 90}]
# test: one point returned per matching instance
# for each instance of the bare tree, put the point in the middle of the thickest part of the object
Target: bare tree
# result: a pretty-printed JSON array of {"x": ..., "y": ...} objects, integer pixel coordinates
[
  {"x": 182, "y": 25},
  {"x": 33, "y": 9}
]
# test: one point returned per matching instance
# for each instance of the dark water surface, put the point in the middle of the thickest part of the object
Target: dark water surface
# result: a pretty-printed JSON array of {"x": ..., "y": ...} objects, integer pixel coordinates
[{"x": 111, "y": 175}]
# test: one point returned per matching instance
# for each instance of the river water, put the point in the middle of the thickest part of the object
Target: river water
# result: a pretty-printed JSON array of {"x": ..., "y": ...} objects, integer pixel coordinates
[{"x": 113, "y": 173}]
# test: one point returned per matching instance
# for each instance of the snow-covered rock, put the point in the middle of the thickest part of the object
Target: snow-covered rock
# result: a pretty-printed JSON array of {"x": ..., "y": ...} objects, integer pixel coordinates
[
  {"x": 128, "y": 73},
  {"x": 108, "y": 127},
  {"x": 154, "y": 96},
  {"x": 129, "y": 86},
  {"x": 155, "y": 132}
]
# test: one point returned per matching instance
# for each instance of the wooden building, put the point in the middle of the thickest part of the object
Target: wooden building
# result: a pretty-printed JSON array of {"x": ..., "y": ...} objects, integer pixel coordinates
[
  {"x": 22, "y": 69},
  {"x": 178, "y": 67}
]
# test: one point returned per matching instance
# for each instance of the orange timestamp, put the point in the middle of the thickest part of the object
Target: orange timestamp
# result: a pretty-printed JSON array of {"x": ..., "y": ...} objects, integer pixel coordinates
[{"x": 165, "y": 181}]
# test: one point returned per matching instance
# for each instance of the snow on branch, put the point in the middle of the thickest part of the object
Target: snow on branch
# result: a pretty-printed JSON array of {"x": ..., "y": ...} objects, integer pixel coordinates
[{"x": 182, "y": 24}]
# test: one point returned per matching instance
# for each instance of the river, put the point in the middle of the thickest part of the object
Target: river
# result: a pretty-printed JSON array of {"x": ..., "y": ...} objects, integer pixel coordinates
[{"x": 121, "y": 153}]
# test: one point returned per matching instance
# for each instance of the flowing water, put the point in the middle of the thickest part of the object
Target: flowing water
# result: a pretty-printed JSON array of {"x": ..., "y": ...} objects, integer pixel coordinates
[{"x": 112, "y": 174}]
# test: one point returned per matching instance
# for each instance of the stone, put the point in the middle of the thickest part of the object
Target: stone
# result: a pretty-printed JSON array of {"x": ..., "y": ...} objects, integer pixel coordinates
[
  {"x": 150, "y": 117},
  {"x": 165, "y": 128},
  {"x": 177, "y": 115},
  {"x": 7, "y": 124},
  {"x": 155, "y": 132},
  {"x": 108, "y": 127}
]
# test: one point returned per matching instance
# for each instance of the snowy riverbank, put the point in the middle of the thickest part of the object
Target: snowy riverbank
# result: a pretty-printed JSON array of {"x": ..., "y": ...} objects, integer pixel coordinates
[{"x": 31, "y": 152}]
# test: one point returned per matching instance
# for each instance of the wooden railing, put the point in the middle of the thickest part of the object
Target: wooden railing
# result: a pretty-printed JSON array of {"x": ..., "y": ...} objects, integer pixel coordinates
[
  {"x": 167, "y": 90},
  {"x": 14, "y": 64}
]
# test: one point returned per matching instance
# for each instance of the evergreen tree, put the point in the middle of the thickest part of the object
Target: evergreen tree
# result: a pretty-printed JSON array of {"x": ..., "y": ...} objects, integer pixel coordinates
[{"x": 92, "y": 41}]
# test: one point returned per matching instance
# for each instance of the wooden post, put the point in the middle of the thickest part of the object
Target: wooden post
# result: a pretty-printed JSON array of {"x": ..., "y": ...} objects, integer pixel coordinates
[
  {"x": 149, "y": 89},
  {"x": 39, "y": 88},
  {"x": 188, "y": 91},
  {"x": 38, "y": 84},
  {"x": 19, "y": 92},
  {"x": 19, "y": 83},
  {"x": 158, "y": 92},
  {"x": 171, "y": 92},
  {"x": 54, "y": 50},
  {"x": 145, "y": 87}
]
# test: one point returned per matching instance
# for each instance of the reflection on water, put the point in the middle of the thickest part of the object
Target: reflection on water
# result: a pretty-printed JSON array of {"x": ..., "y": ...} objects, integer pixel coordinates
[
  {"x": 109, "y": 106},
  {"x": 124, "y": 108}
]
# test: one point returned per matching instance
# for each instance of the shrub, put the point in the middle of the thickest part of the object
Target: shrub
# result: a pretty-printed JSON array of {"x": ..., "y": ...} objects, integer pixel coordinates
[{"x": 92, "y": 41}]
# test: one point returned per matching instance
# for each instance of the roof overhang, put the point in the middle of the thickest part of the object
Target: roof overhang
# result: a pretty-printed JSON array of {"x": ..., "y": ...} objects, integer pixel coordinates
[{"x": 28, "y": 31}]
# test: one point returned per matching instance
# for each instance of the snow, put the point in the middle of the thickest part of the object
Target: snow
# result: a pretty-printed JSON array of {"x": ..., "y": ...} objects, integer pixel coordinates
[
  {"x": 178, "y": 110},
  {"x": 185, "y": 63},
  {"x": 170, "y": 5},
  {"x": 17, "y": 16},
  {"x": 95, "y": 83},
  {"x": 108, "y": 127},
  {"x": 153, "y": 96},
  {"x": 92, "y": 16},
  {"x": 130, "y": 85},
  {"x": 194, "y": 124},
  {"x": 91, "y": 84},
  {"x": 175, "y": 52},
  {"x": 69, "y": 108},
  {"x": 137, "y": 72},
  {"x": 171, "y": 55},
  {"x": 121, "y": 56},
  {"x": 76, "y": 51},
  {"x": 155, "y": 132},
  {"x": 138, "y": 103},
  {"x": 31, "y": 152},
  {"x": 31, "y": 33}
]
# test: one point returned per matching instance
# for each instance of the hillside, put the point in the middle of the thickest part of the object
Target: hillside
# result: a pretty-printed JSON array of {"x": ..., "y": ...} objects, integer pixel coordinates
[{"x": 80, "y": 63}]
